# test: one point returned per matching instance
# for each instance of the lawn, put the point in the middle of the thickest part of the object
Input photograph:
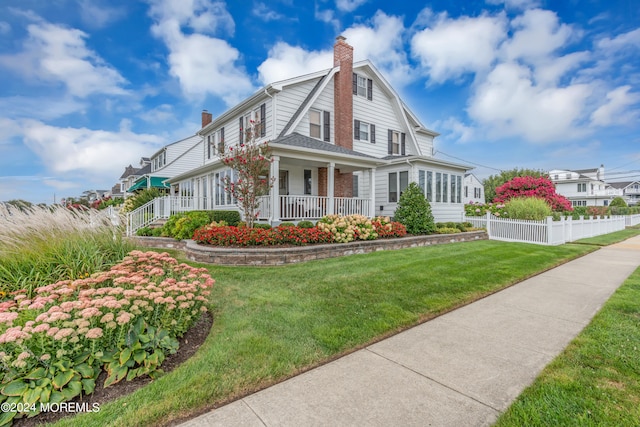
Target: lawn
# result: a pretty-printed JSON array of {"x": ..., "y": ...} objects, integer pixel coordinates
[
  {"x": 611, "y": 238},
  {"x": 271, "y": 323},
  {"x": 596, "y": 380}
]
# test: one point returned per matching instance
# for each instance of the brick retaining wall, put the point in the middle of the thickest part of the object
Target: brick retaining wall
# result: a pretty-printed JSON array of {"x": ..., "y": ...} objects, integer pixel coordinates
[{"x": 291, "y": 255}]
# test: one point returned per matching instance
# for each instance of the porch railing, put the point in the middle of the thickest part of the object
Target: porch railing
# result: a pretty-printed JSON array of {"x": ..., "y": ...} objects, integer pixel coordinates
[{"x": 292, "y": 208}]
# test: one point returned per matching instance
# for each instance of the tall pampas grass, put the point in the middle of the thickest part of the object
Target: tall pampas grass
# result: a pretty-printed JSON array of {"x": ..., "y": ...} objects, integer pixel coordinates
[{"x": 43, "y": 245}]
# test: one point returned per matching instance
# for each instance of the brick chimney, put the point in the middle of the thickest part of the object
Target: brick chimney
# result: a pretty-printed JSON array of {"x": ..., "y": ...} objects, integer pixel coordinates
[
  {"x": 207, "y": 118},
  {"x": 343, "y": 93}
]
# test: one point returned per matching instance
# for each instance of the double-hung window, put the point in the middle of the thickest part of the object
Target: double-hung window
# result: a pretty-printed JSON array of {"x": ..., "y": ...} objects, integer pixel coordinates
[
  {"x": 362, "y": 86},
  {"x": 320, "y": 125},
  {"x": 398, "y": 182},
  {"x": 363, "y": 131}
]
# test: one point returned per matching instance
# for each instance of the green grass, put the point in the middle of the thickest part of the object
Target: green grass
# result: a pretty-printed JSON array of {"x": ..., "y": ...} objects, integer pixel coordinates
[
  {"x": 611, "y": 238},
  {"x": 596, "y": 380},
  {"x": 274, "y": 322}
]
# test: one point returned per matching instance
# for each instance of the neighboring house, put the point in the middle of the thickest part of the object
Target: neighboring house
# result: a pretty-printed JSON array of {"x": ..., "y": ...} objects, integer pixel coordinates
[
  {"x": 93, "y": 195},
  {"x": 130, "y": 175},
  {"x": 630, "y": 191},
  {"x": 473, "y": 189},
  {"x": 584, "y": 187},
  {"x": 173, "y": 159},
  {"x": 342, "y": 142}
]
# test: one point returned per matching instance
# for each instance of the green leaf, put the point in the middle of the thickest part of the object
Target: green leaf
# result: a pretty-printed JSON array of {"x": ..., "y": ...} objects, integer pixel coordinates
[
  {"x": 15, "y": 388},
  {"x": 73, "y": 389},
  {"x": 46, "y": 394},
  {"x": 32, "y": 395},
  {"x": 6, "y": 417},
  {"x": 88, "y": 385},
  {"x": 62, "y": 379},
  {"x": 82, "y": 358},
  {"x": 116, "y": 376},
  {"x": 139, "y": 356},
  {"x": 56, "y": 397},
  {"x": 36, "y": 374},
  {"x": 133, "y": 373},
  {"x": 132, "y": 338},
  {"x": 85, "y": 370},
  {"x": 125, "y": 355},
  {"x": 63, "y": 365}
]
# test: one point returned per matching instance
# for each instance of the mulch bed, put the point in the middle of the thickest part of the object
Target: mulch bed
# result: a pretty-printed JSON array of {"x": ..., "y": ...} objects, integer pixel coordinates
[{"x": 189, "y": 343}]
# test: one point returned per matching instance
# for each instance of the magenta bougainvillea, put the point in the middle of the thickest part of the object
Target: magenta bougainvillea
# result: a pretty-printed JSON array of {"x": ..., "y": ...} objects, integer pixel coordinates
[{"x": 528, "y": 186}]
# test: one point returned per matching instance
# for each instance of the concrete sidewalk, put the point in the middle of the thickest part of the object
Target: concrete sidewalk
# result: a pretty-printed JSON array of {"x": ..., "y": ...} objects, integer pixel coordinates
[{"x": 461, "y": 369}]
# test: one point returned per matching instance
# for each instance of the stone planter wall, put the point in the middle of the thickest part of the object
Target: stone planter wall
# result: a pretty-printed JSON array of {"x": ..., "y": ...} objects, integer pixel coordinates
[{"x": 290, "y": 255}]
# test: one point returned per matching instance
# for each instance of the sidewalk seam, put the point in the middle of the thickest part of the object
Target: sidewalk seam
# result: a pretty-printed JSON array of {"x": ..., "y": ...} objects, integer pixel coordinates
[{"x": 433, "y": 380}]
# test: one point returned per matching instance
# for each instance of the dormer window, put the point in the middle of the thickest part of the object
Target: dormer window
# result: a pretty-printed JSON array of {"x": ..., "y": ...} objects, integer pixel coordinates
[{"x": 362, "y": 86}]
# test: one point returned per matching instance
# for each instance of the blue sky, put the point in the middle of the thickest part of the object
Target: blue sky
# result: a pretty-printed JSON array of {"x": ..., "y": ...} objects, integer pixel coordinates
[{"x": 90, "y": 86}]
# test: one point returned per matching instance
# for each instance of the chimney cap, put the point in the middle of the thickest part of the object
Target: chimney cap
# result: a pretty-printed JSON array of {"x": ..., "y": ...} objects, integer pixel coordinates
[{"x": 340, "y": 38}]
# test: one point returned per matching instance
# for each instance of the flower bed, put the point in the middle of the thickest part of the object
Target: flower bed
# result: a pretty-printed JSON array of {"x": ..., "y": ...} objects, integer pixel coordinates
[
  {"x": 124, "y": 321},
  {"x": 330, "y": 229}
]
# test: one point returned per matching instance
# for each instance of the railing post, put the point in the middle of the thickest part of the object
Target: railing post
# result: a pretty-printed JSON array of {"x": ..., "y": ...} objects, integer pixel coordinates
[{"x": 489, "y": 224}]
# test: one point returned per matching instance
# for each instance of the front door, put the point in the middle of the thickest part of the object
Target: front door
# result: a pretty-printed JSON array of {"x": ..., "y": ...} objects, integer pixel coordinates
[{"x": 283, "y": 189}]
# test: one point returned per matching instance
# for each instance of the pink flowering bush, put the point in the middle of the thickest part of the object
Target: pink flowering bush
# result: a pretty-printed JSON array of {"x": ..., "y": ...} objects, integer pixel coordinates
[
  {"x": 528, "y": 186},
  {"x": 125, "y": 320}
]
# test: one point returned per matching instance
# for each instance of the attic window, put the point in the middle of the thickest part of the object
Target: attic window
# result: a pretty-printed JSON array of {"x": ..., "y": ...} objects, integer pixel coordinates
[{"x": 362, "y": 86}]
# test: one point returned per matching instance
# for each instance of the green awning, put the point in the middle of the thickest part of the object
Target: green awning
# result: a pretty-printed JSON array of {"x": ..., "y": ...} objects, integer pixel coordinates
[{"x": 146, "y": 182}]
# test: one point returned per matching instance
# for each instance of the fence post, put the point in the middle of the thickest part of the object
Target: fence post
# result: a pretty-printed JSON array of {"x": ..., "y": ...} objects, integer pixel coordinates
[
  {"x": 489, "y": 224},
  {"x": 550, "y": 230}
]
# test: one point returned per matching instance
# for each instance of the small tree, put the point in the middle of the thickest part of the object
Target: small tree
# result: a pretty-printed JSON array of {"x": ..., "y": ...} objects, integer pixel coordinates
[
  {"x": 528, "y": 186},
  {"x": 494, "y": 181},
  {"x": 251, "y": 161},
  {"x": 414, "y": 211},
  {"x": 618, "y": 202}
]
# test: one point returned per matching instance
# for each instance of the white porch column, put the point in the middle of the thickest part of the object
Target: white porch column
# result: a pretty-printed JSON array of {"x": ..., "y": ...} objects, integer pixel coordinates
[
  {"x": 274, "y": 192},
  {"x": 331, "y": 167},
  {"x": 372, "y": 192}
]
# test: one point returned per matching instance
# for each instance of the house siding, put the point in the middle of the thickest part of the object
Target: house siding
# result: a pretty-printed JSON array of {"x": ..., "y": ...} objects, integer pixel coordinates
[{"x": 288, "y": 102}]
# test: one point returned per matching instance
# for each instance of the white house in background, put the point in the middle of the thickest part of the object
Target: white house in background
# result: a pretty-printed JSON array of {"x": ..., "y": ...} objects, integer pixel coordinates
[
  {"x": 342, "y": 142},
  {"x": 630, "y": 191},
  {"x": 584, "y": 187},
  {"x": 172, "y": 159},
  {"x": 473, "y": 189}
]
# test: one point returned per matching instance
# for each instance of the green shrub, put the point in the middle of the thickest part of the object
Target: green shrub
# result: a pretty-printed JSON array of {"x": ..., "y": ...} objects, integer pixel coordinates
[
  {"x": 618, "y": 202},
  {"x": 631, "y": 210},
  {"x": 144, "y": 231},
  {"x": 182, "y": 225},
  {"x": 143, "y": 197},
  {"x": 414, "y": 211},
  {"x": 460, "y": 226},
  {"x": 306, "y": 224},
  {"x": 530, "y": 208},
  {"x": 287, "y": 224},
  {"x": 156, "y": 232},
  {"x": 230, "y": 217},
  {"x": 262, "y": 226},
  {"x": 447, "y": 230}
]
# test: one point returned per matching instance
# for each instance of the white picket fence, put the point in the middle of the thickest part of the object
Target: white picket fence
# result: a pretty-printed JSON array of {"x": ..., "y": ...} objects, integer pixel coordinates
[{"x": 548, "y": 231}]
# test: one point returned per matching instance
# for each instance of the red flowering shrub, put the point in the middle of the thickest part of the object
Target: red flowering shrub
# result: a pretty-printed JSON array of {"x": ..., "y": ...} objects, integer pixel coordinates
[
  {"x": 528, "y": 186},
  {"x": 386, "y": 228},
  {"x": 243, "y": 236}
]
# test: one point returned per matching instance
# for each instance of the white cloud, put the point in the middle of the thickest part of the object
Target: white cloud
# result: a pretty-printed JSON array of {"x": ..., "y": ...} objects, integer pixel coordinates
[
  {"x": 349, "y": 5},
  {"x": 458, "y": 131},
  {"x": 628, "y": 39},
  {"x": 516, "y": 4},
  {"x": 510, "y": 104},
  {"x": 452, "y": 47},
  {"x": 616, "y": 109},
  {"x": 40, "y": 108},
  {"x": 201, "y": 63},
  {"x": 160, "y": 114},
  {"x": 262, "y": 11},
  {"x": 56, "y": 54},
  {"x": 537, "y": 34},
  {"x": 94, "y": 14},
  {"x": 5, "y": 28},
  {"x": 95, "y": 153},
  {"x": 286, "y": 61},
  {"x": 381, "y": 42}
]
